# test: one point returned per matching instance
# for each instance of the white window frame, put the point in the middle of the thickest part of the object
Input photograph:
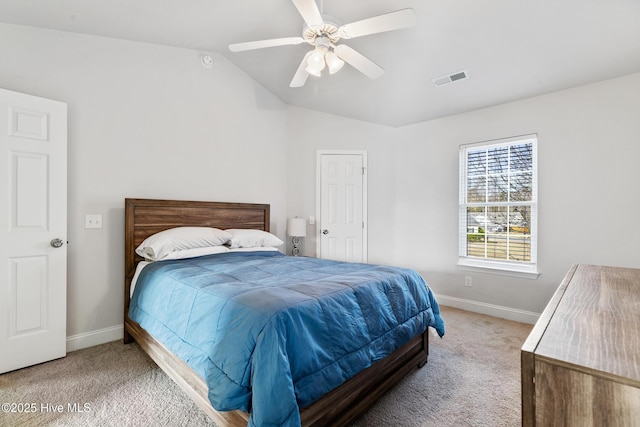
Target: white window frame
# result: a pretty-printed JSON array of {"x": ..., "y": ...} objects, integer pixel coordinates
[{"x": 487, "y": 265}]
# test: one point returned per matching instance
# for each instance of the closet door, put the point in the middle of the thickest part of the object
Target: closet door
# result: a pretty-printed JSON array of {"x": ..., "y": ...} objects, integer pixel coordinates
[
  {"x": 33, "y": 230},
  {"x": 342, "y": 206}
]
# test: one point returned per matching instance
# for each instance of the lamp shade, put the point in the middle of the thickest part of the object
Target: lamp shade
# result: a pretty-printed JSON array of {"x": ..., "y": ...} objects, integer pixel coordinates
[
  {"x": 297, "y": 227},
  {"x": 315, "y": 63},
  {"x": 333, "y": 62},
  {"x": 316, "y": 60}
]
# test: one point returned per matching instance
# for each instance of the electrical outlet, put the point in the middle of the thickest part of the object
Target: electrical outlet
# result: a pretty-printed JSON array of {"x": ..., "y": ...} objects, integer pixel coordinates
[
  {"x": 93, "y": 221},
  {"x": 467, "y": 281}
]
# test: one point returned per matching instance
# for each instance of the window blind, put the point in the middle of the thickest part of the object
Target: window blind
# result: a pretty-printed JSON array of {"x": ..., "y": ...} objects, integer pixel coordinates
[{"x": 498, "y": 204}]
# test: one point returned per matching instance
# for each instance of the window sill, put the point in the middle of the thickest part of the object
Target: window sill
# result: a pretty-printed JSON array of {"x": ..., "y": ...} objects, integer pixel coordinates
[{"x": 525, "y": 271}]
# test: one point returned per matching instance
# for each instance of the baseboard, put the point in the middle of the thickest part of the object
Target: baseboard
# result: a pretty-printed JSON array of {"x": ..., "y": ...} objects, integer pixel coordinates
[
  {"x": 103, "y": 336},
  {"x": 89, "y": 339},
  {"x": 489, "y": 309}
]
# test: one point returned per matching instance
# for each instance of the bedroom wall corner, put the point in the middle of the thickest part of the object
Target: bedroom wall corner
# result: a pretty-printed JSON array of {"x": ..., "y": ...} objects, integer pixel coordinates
[
  {"x": 144, "y": 121},
  {"x": 587, "y": 141},
  {"x": 306, "y": 135},
  {"x": 588, "y": 179}
]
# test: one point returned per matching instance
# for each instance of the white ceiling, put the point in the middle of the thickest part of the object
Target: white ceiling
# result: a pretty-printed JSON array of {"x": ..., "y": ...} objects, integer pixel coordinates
[{"x": 511, "y": 49}]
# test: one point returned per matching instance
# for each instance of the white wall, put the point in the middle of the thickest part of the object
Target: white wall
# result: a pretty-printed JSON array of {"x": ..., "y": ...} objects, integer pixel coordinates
[
  {"x": 308, "y": 131},
  {"x": 589, "y": 191},
  {"x": 150, "y": 121},
  {"x": 144, "y": 121}
]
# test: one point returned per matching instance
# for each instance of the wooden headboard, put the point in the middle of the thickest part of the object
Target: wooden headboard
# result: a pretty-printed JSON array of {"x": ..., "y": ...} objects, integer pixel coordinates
[{"x": 144, "y": 217}]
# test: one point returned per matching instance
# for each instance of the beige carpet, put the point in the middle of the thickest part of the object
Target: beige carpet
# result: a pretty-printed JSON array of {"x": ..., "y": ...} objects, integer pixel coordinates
[{"x": 472, "y": 379}]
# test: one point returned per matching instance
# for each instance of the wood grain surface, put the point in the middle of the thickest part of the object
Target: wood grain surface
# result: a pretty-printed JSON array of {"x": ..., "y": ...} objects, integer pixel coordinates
[
  {"x": 581, "y": 362},
  {"x": 597, "y": 325}
]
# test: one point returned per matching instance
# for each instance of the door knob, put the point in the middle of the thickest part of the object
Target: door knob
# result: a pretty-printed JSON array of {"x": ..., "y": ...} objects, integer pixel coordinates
[
  {"x": 325, "y": 231},
  {"x": 56, "y": 243}
]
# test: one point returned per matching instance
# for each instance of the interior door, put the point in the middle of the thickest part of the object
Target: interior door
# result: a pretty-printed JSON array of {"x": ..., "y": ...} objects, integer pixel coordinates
[
  {"x": 342, "y": 230},
  {"x": 33, "y": 230}
]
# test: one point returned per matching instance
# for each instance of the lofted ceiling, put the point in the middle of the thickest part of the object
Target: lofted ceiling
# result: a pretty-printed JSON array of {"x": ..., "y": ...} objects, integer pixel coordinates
[{"x": 510, "y": 49}]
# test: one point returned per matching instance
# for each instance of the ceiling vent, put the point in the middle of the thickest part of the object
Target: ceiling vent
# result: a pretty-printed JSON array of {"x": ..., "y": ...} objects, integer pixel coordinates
[{"x": 460, "y": 75}]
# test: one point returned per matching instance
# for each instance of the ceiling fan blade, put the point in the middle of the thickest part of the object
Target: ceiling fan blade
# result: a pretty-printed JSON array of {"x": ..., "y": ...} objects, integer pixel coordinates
[
  {"x": 310, "y": 12},
  {"x": 239, "y": 47},
  {"x": 358, "y": 61},
  {"x": 300, "y": 77},
  {"x": 403, "y": 18}
]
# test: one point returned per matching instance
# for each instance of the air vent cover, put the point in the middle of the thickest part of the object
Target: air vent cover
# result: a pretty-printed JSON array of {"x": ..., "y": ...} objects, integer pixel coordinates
[{"x": 460, "y": 75}]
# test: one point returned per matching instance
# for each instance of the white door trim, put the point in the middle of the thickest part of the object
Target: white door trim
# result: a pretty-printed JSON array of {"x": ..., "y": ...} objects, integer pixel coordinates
[{"x": 365, "y": 228}]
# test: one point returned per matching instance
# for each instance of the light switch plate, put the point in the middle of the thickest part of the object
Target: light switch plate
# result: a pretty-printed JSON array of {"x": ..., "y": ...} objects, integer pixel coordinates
[{"x": 93, "y": 221}]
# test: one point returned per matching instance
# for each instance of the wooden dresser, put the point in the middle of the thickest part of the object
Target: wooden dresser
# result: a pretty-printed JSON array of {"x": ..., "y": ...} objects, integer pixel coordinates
[{"x": 581, "y": 362}]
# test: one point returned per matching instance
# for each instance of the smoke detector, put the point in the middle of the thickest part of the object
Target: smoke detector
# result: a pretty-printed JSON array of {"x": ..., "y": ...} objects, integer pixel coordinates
[
  {"x": 206, "y": 60},
  {"x": 450, "y": 78}
]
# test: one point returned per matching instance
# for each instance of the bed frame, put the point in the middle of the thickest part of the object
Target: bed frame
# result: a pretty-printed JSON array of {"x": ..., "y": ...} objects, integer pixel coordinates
[{"x": 144, "y": 217}]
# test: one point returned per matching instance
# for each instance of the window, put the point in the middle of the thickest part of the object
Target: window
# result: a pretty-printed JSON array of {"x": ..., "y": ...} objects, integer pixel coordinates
[{"x": 498, "y": 205}]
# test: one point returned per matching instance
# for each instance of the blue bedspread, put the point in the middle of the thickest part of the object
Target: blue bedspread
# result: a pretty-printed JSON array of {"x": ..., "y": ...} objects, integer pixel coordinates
[{"x": 271, "y": 333}]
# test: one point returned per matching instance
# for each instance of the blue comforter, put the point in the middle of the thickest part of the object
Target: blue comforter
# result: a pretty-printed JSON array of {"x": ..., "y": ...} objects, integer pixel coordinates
[{"x": 271, "y": 333}]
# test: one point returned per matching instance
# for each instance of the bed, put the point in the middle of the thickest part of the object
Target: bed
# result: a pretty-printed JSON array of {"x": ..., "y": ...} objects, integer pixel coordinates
[{"x": 340, "y": 405}]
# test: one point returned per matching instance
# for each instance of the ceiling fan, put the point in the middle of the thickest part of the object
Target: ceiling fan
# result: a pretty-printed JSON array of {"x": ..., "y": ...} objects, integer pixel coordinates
[{"x": 324, "y": 33}]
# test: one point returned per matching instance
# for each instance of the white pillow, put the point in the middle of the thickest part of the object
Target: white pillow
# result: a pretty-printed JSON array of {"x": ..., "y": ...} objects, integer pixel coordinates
[
  {"x": 195, "y": 252},
  {"x": 250, "y": 238},
  {"x": 158, "y": 246}
]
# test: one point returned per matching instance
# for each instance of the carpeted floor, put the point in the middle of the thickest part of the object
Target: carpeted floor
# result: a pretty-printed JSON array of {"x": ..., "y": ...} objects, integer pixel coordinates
[{"x": 472, "y": 379}]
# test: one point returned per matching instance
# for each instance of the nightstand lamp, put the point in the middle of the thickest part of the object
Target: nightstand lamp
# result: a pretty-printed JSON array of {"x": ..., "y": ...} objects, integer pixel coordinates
[{"x": 296, "y": 228}]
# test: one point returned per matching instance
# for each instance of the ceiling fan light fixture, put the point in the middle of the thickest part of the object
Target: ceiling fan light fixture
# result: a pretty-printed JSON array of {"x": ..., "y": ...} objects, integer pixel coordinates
[
  {"x": 324, "y": 33},
  {"x": 333, "y": 62},
  {"x": 316, "y": 63}
]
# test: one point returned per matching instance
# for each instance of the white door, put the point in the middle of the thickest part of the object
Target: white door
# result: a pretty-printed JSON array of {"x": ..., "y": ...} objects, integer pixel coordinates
[
  {"x": 342, "y": 210},
  {"x": 33, "y": 214}
]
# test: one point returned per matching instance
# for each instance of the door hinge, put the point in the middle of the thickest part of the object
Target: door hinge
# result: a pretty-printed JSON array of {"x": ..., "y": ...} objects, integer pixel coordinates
[{"x": 363, "y": 170}]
